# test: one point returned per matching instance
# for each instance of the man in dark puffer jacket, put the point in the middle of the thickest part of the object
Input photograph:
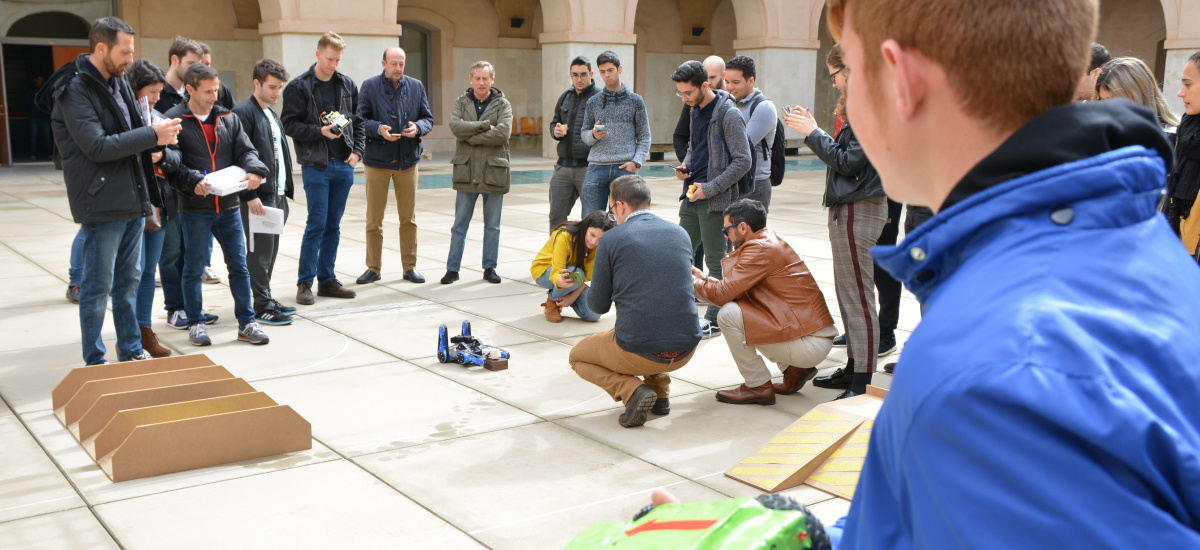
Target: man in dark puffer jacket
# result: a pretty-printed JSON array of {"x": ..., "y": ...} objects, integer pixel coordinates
[{"x": 212, "y": 139}]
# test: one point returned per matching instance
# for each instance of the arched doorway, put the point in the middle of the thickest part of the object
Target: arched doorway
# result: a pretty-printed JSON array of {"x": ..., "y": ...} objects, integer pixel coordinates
[{"x": 33, "y": 47}]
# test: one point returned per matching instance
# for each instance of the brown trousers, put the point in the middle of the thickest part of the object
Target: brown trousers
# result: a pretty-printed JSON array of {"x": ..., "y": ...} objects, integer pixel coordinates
[
  {"x": 406, "y": 205},
  {"x": 599, "y": 360}
]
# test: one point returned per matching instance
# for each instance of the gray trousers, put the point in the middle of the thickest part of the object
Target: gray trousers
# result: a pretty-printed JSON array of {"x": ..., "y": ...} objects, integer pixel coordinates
[
  {"x": 261, "y": 262},
  {"x": 566, "y": 186},
  {"x": 853, "y": 229},
  {"x": 761, "y": 193}
]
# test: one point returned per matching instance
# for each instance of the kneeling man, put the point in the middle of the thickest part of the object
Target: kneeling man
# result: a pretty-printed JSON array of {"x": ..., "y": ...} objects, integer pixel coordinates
[
  {"x": 770, "y": 304},
  {"x": 642, "y": 266}
]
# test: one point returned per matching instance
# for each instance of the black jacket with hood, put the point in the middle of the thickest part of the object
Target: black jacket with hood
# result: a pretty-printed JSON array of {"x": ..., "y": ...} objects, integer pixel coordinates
[{"x": 198, "y": 158}]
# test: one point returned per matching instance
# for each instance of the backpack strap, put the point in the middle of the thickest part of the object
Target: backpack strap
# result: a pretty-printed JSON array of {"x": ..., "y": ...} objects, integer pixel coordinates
[{"x": 754, "y": 106}]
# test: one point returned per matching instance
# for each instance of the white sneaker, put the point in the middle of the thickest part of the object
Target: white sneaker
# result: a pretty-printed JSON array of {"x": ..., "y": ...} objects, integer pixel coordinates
[
  {"x": 141, "y": 356},
  {"x": 708, "y": 329},
  {"x": 209, "y": 277},
  {"x": 253, "y": 333},
  {"x": 198, "y": 335},
  {"x": 177, "y": 319}
]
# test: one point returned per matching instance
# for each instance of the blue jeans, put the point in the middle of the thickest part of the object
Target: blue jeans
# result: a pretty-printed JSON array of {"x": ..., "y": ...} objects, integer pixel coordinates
[
  {"x": 326, "y": 192},
  {"x": 580, "y": 305},
  {"x": 464, "y": 209},
  {"x": 596, "y": 183},
  {"x": 152, "y": 251},
  {"x": 112, "y": 265},
  {"x": 198, "y": 229},
  {"x": 170, "y": 264},
  {"x": 75, "y": 272}
]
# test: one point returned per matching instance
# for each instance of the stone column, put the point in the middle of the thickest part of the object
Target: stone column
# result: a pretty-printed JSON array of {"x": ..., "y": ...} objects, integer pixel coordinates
[
  {"x": 294, "y": 43},
  {"x": 1173, "y": 72},
  {"x": 785, "y": 75},
  {"x": 558, "y": 49}
]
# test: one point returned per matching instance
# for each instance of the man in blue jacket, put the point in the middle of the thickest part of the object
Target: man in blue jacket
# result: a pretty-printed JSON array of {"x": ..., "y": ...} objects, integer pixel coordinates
[
  {"x": 395, "y": 114},
  {"x": 1048, "y": 398}
]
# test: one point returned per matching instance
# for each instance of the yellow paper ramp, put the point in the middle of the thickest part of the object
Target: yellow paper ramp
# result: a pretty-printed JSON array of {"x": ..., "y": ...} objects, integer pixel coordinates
[
  {"x": 825, "y": 448},
  {"x": 108, "y": 405},
  {"x": 91, "y": 391},
  {"x": 77, "y": 377},
  {"x": 191, "y": 443},
  {"x": 124, "y": 422}
]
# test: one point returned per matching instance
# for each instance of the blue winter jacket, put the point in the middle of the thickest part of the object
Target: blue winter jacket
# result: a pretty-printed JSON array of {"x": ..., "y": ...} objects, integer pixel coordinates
[
  {"x": 1050, "y": 397},
  {"x": 380, "y": 102}
]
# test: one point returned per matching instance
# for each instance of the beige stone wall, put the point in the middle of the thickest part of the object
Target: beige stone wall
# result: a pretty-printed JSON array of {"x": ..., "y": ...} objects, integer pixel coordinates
[
  {"x": 234, "y": 59},
  {"x": 518, "y": 75},
  {"x": 11, "y": 12},
  {"x": 1133, "y": 28}
]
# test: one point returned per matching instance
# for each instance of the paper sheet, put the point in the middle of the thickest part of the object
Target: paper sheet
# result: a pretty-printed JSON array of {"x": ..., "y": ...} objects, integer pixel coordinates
[{"x": 270, "y": 223}]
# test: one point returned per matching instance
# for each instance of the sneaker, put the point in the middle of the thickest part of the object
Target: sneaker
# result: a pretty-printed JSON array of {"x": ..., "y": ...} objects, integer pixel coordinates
[
  {"x": 177, "y": 319},
  {"x": 141, "y": 356},
  {"x": 209, "y": 319},
  {"x": 273, "y": 317},
  {"x": 708, "y": 329},
  {"x": 209, "y": 277},
  {"x": 286, "y": 310},
  {"x": 157, "y": 282},
  {"x": 73, "y": 294},
  {"x": 887, "y": 344},
  {"x": 253, "y": 333},
  {"x": 840, "y": 341},
  {"x": 198, "y": 335}
]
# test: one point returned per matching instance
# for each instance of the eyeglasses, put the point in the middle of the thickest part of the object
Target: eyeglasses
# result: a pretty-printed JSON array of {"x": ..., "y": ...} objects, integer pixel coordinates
[
  {"x": 688, "y": 94},
  {"x": 580, "y": 75},
  {"x": 839, "y": 71},
  {"x": 725, "y": 230},
  {"x": 612, "y": 216}
]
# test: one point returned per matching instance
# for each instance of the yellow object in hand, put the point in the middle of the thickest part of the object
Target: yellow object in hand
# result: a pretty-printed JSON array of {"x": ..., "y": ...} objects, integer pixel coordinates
[{"x": 691, "y": 190}]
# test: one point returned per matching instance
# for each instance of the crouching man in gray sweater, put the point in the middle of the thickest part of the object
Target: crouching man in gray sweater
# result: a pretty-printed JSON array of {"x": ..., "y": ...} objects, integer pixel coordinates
[{"x": 643, "y": 266}]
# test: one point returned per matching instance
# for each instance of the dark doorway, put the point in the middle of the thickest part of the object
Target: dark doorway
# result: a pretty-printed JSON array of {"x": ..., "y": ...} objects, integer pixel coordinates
[{"x": 22, "y": 65}]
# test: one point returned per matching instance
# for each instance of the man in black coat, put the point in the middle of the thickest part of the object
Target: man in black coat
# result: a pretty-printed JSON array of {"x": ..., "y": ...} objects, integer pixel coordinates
[
  {"x": 265, "y": 131},
  {"x": 105, "y": 146},
  {"x": 566, "y": 185},
  {"x": 211, "y": 139}
]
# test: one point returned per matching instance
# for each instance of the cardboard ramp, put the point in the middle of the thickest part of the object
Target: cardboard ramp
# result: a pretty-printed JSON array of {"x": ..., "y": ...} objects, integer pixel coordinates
[
  {"x": 825, "y": 448},
  {"x": 145, "y": 418}
]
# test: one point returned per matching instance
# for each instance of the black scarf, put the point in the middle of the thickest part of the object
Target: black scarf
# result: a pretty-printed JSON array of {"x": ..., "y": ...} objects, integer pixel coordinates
[{"x": 1185, "y": 179}]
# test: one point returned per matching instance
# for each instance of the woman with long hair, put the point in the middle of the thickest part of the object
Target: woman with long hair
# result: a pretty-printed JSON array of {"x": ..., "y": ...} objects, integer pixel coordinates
[
  {"x": 857, "y": 213},
  {"x": 1130, "y": 78},
  {"x": 1183, "y": 184},
  {"x": 147, "y": 82},
  {"x": 564, "y": 265}
]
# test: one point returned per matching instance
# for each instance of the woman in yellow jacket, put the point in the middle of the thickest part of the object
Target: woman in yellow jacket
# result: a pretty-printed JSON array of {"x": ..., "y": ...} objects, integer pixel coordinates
[{"x": 565, "y": 264}]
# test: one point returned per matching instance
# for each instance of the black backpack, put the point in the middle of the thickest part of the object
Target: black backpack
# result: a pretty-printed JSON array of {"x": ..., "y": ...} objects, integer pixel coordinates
[
  {"x": 777, "y": 146},
  {"x": 45, "y": 97}
]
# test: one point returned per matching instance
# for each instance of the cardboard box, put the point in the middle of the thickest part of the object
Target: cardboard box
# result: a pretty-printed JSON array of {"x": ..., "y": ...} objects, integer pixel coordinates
[
  {"x": 825, "y": 448},
  {"x": 146, "y": 418}
]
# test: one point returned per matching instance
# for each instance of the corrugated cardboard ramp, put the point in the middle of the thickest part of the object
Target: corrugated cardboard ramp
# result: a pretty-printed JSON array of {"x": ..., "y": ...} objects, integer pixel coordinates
[{"x": 146, "y": 418}]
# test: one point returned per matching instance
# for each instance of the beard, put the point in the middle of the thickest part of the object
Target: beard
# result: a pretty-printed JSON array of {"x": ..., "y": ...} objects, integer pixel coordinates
[{"x": 114, "y": 69}]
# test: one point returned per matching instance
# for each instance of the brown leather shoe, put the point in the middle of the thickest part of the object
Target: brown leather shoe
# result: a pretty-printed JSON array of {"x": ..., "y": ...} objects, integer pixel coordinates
[
  {"x": 151, "y": 345},
  {"x": 742, "y": 395},
  {"x": 794, "y": 378},
  {"x": 553, "y": 312},
  {"x": 304, "y": 295},
  {"x": 334, "y": 289}
]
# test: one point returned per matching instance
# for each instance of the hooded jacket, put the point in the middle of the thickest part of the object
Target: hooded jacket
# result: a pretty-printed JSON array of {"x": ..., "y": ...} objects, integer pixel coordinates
[
  {"x": 106, "y": 163},
  {"x": 569, "y": 110},
  {"x": 302, "y": 119},
  {"x": 729, "y": 153},
  {"x": 1048, "y": 398},
  {"x": 480, "y": 163},
  {"x": 197, "y": 158}
]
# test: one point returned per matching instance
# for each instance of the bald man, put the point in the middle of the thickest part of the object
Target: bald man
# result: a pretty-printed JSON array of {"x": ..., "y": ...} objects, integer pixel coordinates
[{"x": 395, "y": 114}]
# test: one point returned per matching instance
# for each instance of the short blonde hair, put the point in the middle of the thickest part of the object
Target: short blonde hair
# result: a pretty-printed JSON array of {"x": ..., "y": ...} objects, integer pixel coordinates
[
  {"x": 331, "y": 40},
  {"x": 1008, "y": 60}
]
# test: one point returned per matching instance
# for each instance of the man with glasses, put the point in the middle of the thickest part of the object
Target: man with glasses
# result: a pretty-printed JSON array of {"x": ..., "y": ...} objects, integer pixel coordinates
[
  {"x": 715, "y": 161},
  {"x": 642, "y": 266},
  {"x": 617, "y": 129},
  {"x": 770, "y": 304},
  {"x": 566, "y": 185}
]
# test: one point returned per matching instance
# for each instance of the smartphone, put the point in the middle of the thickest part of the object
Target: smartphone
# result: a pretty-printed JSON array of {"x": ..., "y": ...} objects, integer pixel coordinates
[
  {"x": 787, "y": 110},
  {"x": 576, "y": 276}
]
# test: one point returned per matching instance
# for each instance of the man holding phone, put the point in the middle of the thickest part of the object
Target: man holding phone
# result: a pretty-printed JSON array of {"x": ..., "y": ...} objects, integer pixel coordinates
[
  {"x": 395, "y": 113},
  {"x": 617, "y": 130}
]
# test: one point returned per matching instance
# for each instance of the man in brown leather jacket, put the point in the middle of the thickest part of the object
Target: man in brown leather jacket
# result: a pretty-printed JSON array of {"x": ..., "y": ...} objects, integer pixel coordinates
[{"x": 770, "y": 304}]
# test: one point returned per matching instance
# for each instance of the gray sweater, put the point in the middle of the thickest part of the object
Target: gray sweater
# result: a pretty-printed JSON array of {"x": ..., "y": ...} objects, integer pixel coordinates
[
  {"x": 623, "y": 115},
  {"x": 644, "y": 266},
  {"x": 724, "y": 169},
  {"x": 759, "y": 128}
]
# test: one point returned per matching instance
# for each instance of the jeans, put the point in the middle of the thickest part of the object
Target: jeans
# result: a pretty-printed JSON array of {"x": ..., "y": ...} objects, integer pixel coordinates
[
  {"x": 198, "y": 228},
  {"x": 75, "y": 272},
  {"x": 704, "y": 227},
  {"x": 326, "y": 192},
  {"x": 152, "y": 251},
  {"x": 464, "y": 209},
  {"x": 170, "y": 264},
  {"x": 596, "y": 183},
  {"x": 112, "y": 265},
  {"x": 579, "y": 305}
]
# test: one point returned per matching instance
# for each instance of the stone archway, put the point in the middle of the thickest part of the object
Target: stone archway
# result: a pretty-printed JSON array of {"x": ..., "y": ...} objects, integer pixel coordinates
[{"x": 49, "y": 24}]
